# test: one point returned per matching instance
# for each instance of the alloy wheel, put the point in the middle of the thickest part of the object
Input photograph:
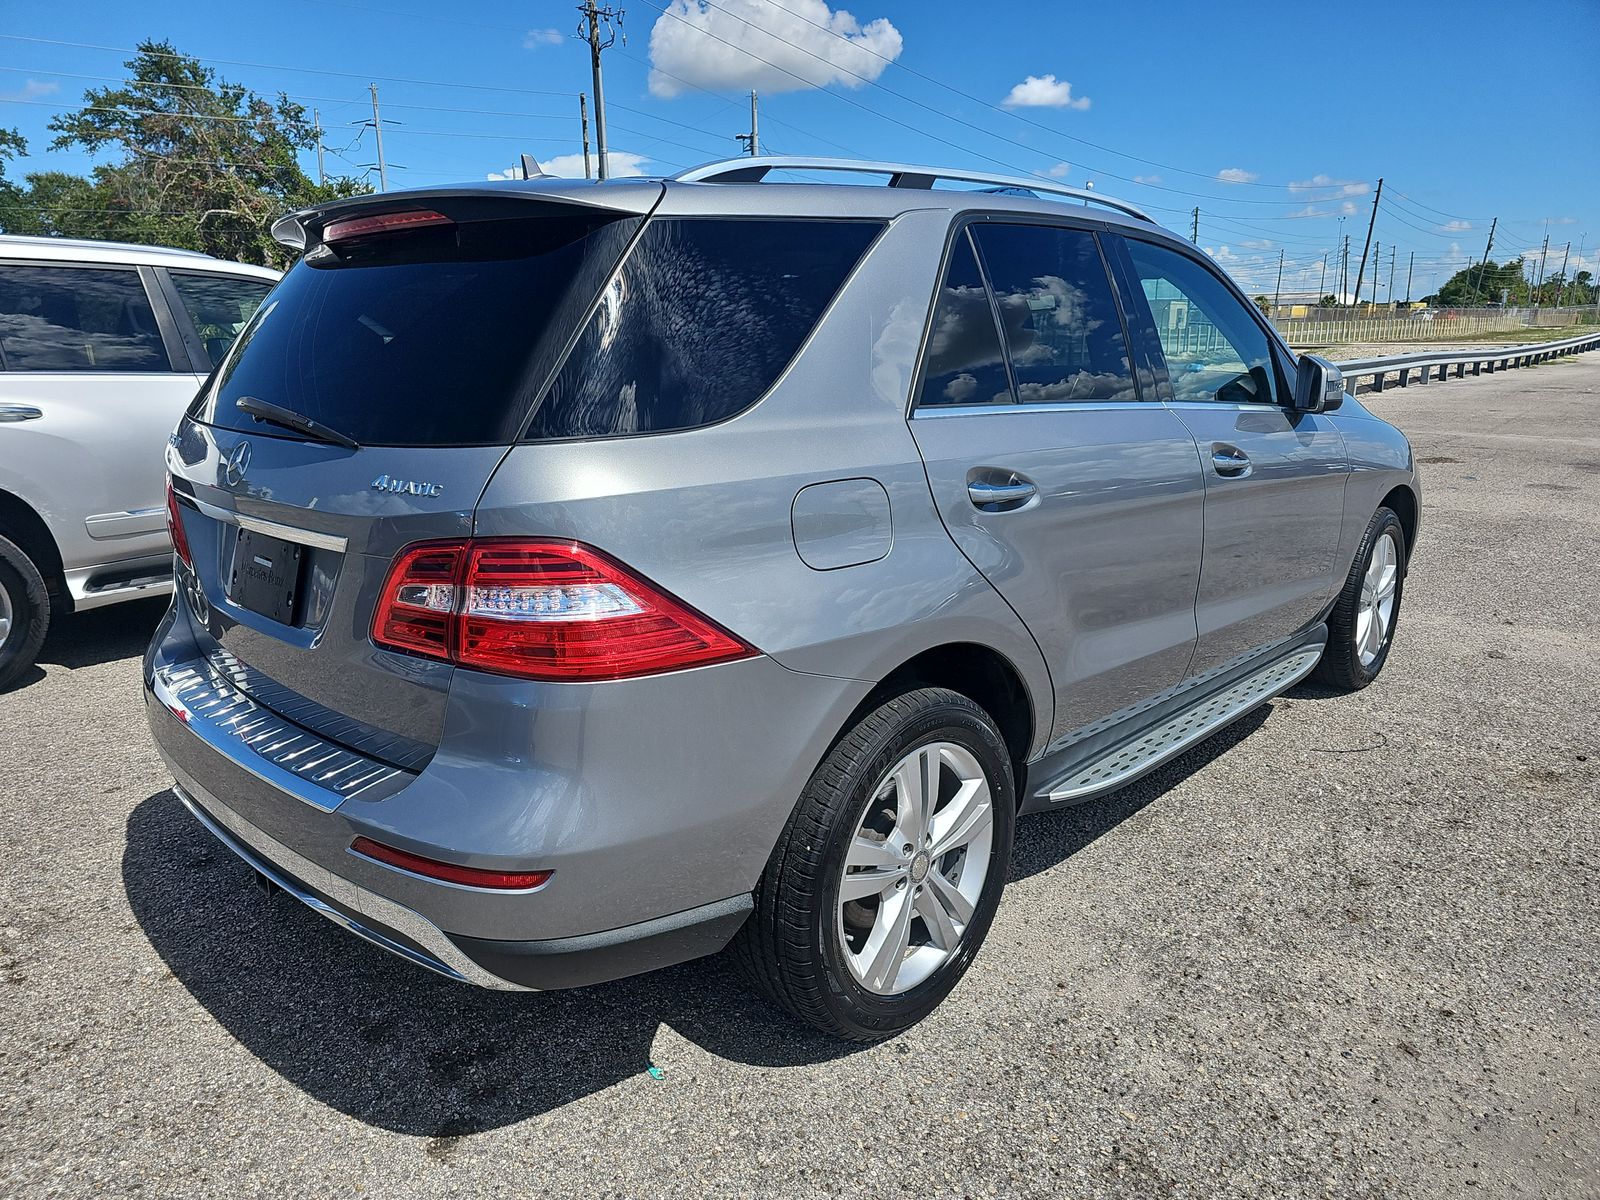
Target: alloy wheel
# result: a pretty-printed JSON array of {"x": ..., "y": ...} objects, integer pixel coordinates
[
  {"x": 915, "y": 868},
  {"x": 1375, "y": 616}
]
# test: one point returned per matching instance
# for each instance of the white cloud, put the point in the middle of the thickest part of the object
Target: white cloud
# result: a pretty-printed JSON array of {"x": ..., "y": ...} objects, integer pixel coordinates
[
  {"x": 1339, "y": 187},
  {"x": 1044, "y": 91},
  {"x": 32, "y": 89},
  {"x": 570, "y": 166},
  {"x": 1456, "y": 226},
  {"x": 1347, "y": 209},
  {"x": 1552, "y": 220},
  {"x": 771, "y": 47},
  {"x": 542, "y": 37},
  {"x": 1059, "y": 171},
  {"x": 1237, "y": 175},
  {"x": 1261, "y": 244},
  {"x": 1147, "y": 179}
]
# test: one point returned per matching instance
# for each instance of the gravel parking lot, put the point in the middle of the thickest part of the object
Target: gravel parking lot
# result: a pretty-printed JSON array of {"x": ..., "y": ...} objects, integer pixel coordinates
[{"x": 1347, "y": 948}]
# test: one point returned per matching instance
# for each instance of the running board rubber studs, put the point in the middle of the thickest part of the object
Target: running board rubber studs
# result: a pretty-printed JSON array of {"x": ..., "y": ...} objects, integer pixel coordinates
[{"x": 1127, "y": 761}]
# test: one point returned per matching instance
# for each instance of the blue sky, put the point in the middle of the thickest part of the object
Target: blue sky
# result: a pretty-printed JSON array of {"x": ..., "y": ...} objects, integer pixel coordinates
[{"x": 1273, "y": 118}]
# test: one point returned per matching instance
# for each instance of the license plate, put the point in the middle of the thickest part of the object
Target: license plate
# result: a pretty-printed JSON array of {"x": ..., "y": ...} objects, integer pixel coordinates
[{"x": 266, "y": 575}]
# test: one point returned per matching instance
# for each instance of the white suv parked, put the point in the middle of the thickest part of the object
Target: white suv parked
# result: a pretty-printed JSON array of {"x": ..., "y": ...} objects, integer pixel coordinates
[{"x": 102, "y": 346}]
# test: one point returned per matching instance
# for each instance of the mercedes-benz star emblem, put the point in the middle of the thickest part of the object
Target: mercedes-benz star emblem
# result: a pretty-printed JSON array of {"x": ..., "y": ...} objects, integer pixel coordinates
[{"x": 236, "y": 464}]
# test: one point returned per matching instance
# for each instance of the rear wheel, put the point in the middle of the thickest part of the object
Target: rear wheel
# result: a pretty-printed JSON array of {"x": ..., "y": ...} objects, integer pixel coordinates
[
  {"x": 1361, "y": 627},
  {"x": 887, "y": 877},
  {"x": 24, "y": 612}
]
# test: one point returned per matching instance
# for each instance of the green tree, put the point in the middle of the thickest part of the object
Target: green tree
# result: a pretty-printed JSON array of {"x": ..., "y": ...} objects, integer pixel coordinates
[
  {"x": 202, "y": 164},
  {"x": 1477, "y": 286}
]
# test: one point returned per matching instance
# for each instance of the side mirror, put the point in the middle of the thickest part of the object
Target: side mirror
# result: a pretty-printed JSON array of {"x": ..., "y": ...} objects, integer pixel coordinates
[{"x": 1319, "y": 385}]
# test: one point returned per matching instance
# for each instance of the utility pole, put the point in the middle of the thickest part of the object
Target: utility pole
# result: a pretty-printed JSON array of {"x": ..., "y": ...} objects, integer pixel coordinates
[
  {"x": 1411, "y": 265},
  {"x": 1370, "y": 223},
  {"x": 750, "y": 141},
  {"x": 1377, "y": 257},
  {"x": 583, "y": 117},
  {"x": 1565, "y": 254},
  {"x": 1323, "y": 282},
  {"x": 1392, "y": 253},
  {"x": 594, "y": 18},
  {"x": 1488, "y": 246},
  {"x": 377, "y": 130},
  {"x": 1344, "y": 271},
  {"x": 1194, "y": 230},
  {"x": 316, "y": 125},
  {"x": 1278, "y": 291},
  {"x": 1543, "y": 255}
]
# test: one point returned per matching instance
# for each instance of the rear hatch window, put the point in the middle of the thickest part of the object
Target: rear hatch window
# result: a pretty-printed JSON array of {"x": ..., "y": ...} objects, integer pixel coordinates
[{"x": 438, "y": 336}]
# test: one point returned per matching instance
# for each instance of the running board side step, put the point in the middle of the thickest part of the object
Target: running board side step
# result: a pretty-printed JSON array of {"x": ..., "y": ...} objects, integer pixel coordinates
[{"x": 1126, "y": 761}]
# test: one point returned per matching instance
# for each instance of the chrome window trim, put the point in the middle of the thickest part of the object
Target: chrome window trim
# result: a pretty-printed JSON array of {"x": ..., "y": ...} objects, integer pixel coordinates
[
  {"x": 289, "y": 533},
  {"x": 972, "y": 410}
]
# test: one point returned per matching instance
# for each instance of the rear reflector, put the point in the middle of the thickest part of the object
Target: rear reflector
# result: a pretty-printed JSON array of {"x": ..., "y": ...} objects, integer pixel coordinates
[
  {"x": 541, "y": 610},
  {"x": 449, "y": 872},
  {"x": 393, "y": 222},
  {"x": 180, "y": 539}
]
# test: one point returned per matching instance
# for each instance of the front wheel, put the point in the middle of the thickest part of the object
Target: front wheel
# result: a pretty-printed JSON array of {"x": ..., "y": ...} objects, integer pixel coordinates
[
  {"x": 886, "y": 879},
  {"x": 24, "y": 612},
  {"x": 1361, "y": 627}
]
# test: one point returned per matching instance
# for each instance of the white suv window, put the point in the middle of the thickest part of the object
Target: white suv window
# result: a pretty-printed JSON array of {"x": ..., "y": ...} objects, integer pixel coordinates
[
  {"x": 219, "y": 305},
  {"x": 95, "y": 319}
]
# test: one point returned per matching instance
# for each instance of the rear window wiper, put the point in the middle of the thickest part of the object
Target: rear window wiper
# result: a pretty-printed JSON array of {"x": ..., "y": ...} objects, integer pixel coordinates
[{"x": 276, "y": 414}]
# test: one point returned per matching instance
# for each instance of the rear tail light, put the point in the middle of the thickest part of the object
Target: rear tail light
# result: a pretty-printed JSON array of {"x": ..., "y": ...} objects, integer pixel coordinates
[
  {"x": 391, "y": 222},
  {"x": 180, "y": 539},
  {"x": 541, "y": 610},
  {"x": 449, "y": 872}
]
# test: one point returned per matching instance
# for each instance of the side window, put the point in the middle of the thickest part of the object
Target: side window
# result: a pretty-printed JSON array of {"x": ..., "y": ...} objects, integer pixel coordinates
[
  {"x": 1058, "y": 312},
  {"x": 701, "y": 320},
  {"x": 77, "y": 319},
  {"x": 1214, "y": 347},
  {"x": 219, "y": 305},
  {"x": 966, "y": 364}
]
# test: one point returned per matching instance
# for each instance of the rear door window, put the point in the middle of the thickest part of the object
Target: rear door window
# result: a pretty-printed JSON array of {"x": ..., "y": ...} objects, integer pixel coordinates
[
  {"x": 78, "y": 319},
  {"x": 1058, "y": 313},
  {"x": 219, "y": 306},
  {"x": 966, "y": 363},
  {"x": 699, "y": 323}
]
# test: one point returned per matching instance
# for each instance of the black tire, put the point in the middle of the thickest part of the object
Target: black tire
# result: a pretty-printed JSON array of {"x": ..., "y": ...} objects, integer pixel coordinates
[
  {"x": 1341, "y": 667},
  {"x": 29, "y": 604},
  {"x": 792, "y": 944}
]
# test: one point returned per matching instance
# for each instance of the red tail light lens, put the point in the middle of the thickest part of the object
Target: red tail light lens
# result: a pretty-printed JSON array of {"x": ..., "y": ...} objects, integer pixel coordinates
[
  {"x": 392, "y": 222},
  {"x": 180, "y": 539},
  {"x": 449, "y": 872},
  {"x": 541, "y": 610},
  {"x": 416, "y": 612}
]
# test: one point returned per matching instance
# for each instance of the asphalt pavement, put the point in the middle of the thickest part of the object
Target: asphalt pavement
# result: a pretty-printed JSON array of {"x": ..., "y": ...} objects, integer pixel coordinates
[{"x": 1347, "y": 948}]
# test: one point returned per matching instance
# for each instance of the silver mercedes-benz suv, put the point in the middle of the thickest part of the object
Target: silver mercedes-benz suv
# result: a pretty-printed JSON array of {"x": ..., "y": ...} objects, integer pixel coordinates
[{"x": 575, "y": 578}]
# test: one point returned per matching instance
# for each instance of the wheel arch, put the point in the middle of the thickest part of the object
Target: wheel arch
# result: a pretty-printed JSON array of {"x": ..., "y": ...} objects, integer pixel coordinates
[
  {"x": 1403, "y": 501},
  {"x": 20, "y": 523},
  {"x": 979, "y": 672}
]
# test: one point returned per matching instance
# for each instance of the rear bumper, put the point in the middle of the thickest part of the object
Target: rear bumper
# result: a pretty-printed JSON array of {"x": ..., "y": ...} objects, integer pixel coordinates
[
  {"x": 500, "y": 965},
  {"x": 655, "y": 802}
]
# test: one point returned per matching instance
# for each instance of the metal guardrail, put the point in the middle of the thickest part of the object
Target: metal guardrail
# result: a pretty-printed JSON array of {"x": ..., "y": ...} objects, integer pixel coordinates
[{"x": 1494, "y": 358}]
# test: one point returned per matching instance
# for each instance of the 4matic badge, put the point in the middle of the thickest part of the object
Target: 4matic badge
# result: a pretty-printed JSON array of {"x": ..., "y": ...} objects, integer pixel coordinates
[{"x": 406, "y": 487}]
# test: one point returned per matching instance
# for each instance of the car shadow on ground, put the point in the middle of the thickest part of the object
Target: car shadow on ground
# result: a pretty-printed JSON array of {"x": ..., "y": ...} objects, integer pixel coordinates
[
  {"x": 102, "y": 635},
  {"x": 396, "y": 1047}
]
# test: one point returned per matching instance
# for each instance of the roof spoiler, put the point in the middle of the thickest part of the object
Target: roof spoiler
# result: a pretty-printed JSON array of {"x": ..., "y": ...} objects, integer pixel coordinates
[{"x": 302, "y": 229}]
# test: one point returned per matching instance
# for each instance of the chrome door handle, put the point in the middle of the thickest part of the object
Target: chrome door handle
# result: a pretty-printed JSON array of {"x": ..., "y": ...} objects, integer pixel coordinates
[
  {"x": 999, "y": 497},
  {"x": 1229, "y": 461},
  {"x": 20, "y": 412}
]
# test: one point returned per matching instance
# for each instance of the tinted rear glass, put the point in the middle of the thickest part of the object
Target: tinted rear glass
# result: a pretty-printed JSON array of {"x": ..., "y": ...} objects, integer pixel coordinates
[
  {"x": 218, "y": 305},
  {"x": 436, "y": 336},
  {"x": 699, "y": 323}
]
